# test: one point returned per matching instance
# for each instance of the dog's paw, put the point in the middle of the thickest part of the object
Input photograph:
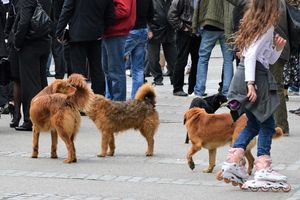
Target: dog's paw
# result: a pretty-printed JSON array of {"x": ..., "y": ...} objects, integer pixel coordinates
[
  {"x": 111, "y": 153},
  {"x": 68, "y": 161},
  {"x": 101, "y": 155},
  {"x": 53, "y": 155},
  {"x": 149, "y": 154},
  {"x": 191, "y": 165},
  {"x": 34, "y": 155},
  {"x": 207, "y": 170}
]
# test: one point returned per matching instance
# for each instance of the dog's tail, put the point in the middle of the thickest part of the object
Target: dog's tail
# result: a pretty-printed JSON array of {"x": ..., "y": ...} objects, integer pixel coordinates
[
  {"x": 83, "y": 96},
  {"x": 278, "y": 133},
  {"x": 146, "y": 93}
]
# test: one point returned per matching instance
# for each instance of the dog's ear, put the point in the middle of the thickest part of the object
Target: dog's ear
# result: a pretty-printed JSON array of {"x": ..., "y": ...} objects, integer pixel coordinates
[{"x": 56, "y": 86}]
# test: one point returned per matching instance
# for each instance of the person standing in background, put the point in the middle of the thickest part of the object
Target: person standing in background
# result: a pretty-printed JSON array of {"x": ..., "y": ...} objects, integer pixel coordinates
[
  {"x": 180, "y": 17},
  {"x": 32, "y": 56},
  {"x": 113, "y": 51},
  {"x": 87, "y": 21},
  {"x": 136, "y": 43},
  {"x": 161, "y": 33}
]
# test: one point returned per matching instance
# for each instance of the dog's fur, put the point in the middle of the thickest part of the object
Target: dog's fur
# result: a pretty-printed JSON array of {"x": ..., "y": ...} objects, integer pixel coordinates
[
  {"x": 212, "y": 131},
  {"x": 211, "y": 104},
  {"x": 59, "y": 113},
  {"x": 112, "y": 117}
]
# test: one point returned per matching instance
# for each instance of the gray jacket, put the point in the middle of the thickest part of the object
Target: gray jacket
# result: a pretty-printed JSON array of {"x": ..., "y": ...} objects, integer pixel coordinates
[{"x": 267, "y": 98}]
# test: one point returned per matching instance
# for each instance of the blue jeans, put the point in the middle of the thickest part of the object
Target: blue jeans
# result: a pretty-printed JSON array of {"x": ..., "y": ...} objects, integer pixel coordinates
[
  {"x": 264, "y": 130},
  {"x": 114, "y": 67},
  {"x": 135, "y": 46},
  {"x": 208, "y": 42}
]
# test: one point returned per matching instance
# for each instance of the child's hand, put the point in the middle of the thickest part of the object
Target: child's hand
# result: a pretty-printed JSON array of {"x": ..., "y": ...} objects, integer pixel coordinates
[
  {"x": 279, "y": 42},
  {"x": 251, "y": 93}
]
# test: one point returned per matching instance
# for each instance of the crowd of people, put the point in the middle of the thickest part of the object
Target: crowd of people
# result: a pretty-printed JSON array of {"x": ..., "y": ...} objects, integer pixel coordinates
[{"x": 97, "y": 39}]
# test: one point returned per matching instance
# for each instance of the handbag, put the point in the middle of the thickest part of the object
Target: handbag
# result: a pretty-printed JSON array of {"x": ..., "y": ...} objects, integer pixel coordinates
[
  {"x": 294, "y": 26},
  {"x": 40, "y": 24}
]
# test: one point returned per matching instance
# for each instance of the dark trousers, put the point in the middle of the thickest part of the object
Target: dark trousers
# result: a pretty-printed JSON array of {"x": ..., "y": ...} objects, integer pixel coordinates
[
  {"x": 169, "y": 49},
  {"x": 33, "y": 59},
  {"x": 91, "y": 50},
  {"x": 186, "y": 44},
  {"x": 194, "y": 51},
  {"x": 6, "y": 92},
  {"x": 58, "y": 56}
]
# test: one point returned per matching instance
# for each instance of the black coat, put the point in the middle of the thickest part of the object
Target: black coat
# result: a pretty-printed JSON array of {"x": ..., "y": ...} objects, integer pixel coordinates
[
  {"x": 160, "y": 26},
  {"x": 25, "y": 12},
  {"x": 3, "y": 50},
  {"x": 87, "y": 19}
]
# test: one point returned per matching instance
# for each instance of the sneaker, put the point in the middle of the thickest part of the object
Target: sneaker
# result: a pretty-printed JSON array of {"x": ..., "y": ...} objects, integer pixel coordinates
[
  {"x": 158, "y": 82},
  {"x": 292, "y": 92},
  {"x": 195, "y": 95},
  {"x": 293, "y": 111},
  {"x": 180, "y": 93}
]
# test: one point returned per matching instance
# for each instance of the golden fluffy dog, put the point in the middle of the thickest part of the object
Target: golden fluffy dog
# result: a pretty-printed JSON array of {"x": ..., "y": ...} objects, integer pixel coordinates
[
  {"x": 211, "y": 131},
  {"x": 59, "y": 113},
  {"x": 112, "y": 117}
]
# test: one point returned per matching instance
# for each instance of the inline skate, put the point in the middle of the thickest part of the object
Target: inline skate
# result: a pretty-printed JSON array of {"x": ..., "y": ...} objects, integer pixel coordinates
[
  {"x": 265, "y": 178},
  {"x": 233, "y": 169}
]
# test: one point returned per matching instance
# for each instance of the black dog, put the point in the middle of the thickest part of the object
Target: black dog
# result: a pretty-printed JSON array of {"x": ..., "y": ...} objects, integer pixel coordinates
[{"x": 210, "y": 104}]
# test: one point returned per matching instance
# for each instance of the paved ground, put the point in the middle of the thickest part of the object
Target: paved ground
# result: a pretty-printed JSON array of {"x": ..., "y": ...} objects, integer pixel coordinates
[{"x": 130, "y": 175}]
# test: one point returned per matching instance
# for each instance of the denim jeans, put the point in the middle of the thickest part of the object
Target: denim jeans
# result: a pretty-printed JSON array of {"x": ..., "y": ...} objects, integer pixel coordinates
[
  {"x": 264, "y": 130},
  {"x": 135, "y": 46},
  {"x": 114, "y": 67},
  {"x": 208, "y": 42}
]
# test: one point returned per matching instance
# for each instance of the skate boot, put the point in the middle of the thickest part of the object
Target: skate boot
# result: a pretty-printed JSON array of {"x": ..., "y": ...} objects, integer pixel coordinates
[
  {"x": 233, "y": 169},
  {"x": 266, "y": 178}
]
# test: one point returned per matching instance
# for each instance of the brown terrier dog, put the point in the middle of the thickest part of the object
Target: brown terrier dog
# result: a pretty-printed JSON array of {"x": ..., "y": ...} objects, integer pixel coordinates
[
  {"x": 112, "y": 117},
  {"x": 212, "y": 131},
  {"x": 59, "y": 113}
]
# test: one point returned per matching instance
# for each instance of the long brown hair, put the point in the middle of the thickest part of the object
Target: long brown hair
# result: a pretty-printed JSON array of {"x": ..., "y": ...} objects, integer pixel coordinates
[{"x": 259, "y": 17}]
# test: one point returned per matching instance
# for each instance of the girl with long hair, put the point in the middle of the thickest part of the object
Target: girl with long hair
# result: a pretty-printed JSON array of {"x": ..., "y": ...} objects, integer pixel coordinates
[{"x": 253, "y": 91}]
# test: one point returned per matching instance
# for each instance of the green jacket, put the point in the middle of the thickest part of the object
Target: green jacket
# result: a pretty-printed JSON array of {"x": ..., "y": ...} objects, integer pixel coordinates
[{"x": 216, "y": 13}]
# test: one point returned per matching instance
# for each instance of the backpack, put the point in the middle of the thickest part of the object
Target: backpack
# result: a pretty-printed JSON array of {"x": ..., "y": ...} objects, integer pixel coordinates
[
  {"x": 294, "y": 26},
  {"x": 40, "y": 24}
]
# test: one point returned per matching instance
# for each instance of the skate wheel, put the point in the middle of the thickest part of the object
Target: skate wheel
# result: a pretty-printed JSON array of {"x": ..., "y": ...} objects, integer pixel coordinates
[
  {"x": 234, "y": 183},
  {"x": 219, "y": 176},
  {"x": 254, "y": 189},
  {"x": 275, "y": 189},
  {"x": 287, "y": 188},
  {"x": 226, "y": 180},
  {"x": 265, "y": 189}
]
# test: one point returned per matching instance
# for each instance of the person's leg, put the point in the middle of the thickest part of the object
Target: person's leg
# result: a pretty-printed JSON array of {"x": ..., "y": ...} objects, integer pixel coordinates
[
  {"x": 153, "y": 59},
  {"x": 104, "y": 61},
  {"x": 194, "y": 49},
  {"x": 116, "y": 67},
  {"x": 78, "y": 56},
  {"x": 267, "y": 130},
  {"x": 30, "y": 59},
  {"x": 208, "y": 41},
  {"x": 280, "y": 115},
  {"x": 96, "y": 72},
  {"x": 263, "y": 162},
  {"x": 170, "y": 53},
  {"x": 248, "y": 133},
  {"x": 58, "y": 56},
  {"x": 227, "y": 66},
  {"x": 138, "y": 58},
  {"x": 183, "y": 42}
]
